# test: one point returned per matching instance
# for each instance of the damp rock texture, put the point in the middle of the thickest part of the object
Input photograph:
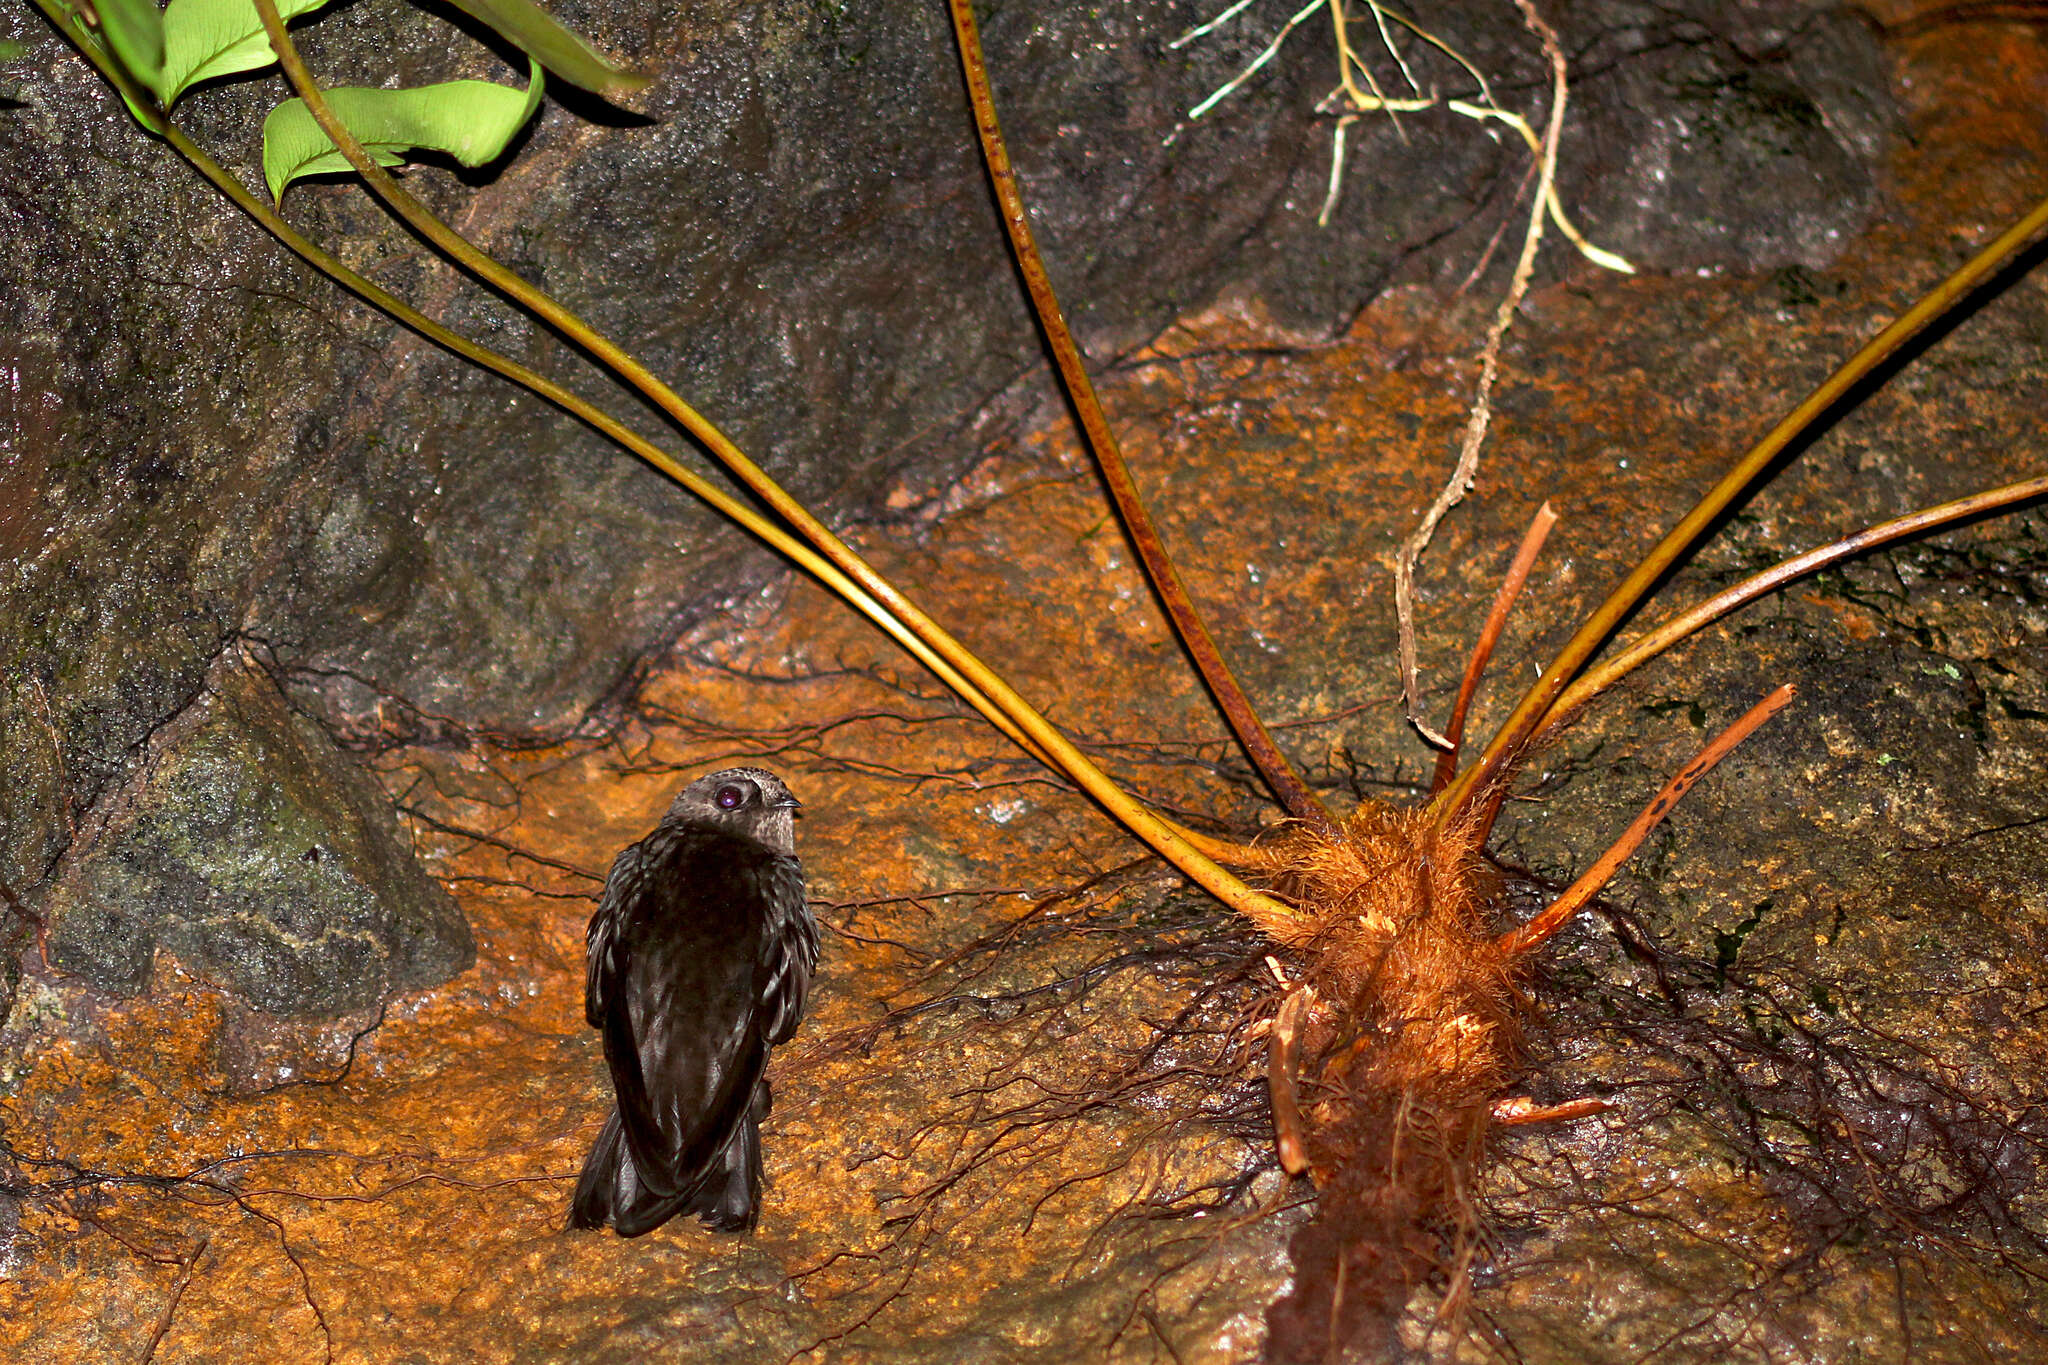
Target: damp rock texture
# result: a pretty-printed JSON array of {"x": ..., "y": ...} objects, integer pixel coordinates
[
  {"x": 261, "y": 856},
  {"x": 1025, "y": 1118},
  {"x": 202, "y": 442}
]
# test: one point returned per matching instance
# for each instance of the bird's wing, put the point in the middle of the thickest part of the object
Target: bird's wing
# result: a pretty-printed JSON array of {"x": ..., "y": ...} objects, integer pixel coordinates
[
  {"x": 677, "y": 1106},
  {"x": 677, "y": 990},
  {"x": 789, "y": 952},
  {"x": 622, "y": 888}
]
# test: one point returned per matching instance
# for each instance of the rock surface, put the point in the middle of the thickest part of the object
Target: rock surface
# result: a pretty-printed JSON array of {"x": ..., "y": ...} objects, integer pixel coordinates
[
  {"x": 203, "y": 442},
  {"x": 264, "y": 858},
  {"x": 1024, "y": 1121}
]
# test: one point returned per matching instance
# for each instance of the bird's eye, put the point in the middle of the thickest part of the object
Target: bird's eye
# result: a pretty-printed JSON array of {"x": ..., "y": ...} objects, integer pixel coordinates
[{"x": 730, "y": 798}]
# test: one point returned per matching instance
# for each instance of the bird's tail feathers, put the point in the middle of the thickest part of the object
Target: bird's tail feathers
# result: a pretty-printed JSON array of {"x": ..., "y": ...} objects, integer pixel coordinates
[
  {"x": 726, "y": 1194},
  {"x": 729, "y": 1199},
  {"x": 607, "y": 1181}
]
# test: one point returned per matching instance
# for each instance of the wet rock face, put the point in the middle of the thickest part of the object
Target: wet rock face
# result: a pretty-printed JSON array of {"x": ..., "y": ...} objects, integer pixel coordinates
[
  {"x": 1710, "y": 134},
  {"x": 1025, "y": 1118},
  {"x": 200, "y": 439},
  {"x": 265, "y": 859},
  {"x": 1698, "y": 136}
]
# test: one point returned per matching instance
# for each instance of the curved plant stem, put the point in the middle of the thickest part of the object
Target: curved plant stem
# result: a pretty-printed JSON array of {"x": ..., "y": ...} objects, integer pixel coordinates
[
  {"x": 1290, "y": 1132},
  {"x": 1046, "y": 741},
  {"x": 141, "y": 103},
  {"x": 1654, "y": 642},
  {"x": 1538, "y": 931},
  {"x": 740, "y": 513},
  {"x": 1651, "y": 643},
  {"x": 717, "y": 498},
  {"x": 1252, "y": 735},
  {"x": 1489, "y": 636},
  {"x": 1515, "y": 732},
  {"x": 1512, "y": 1113}
]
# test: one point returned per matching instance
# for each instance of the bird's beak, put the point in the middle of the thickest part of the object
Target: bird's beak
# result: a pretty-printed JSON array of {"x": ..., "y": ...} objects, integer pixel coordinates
[{"x": 787, "y": 803}]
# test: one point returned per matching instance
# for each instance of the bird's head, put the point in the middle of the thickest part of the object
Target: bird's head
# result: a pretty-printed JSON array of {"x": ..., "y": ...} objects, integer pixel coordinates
[{"x": 751, "y": 802}]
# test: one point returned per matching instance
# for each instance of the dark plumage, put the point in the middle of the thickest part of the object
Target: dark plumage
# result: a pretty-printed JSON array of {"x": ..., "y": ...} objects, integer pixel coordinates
[{"x": 698, "y": 959}]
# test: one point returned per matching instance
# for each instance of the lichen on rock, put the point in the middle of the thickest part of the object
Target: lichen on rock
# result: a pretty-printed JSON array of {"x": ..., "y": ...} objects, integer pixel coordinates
[{"x": 263, "y": 857}]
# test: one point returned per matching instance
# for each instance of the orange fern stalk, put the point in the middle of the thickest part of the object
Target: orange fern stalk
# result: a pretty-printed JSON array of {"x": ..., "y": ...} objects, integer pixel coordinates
[
  {"x": 1388, "y": 1056},
  {"x": 1389, "y": 1053}
]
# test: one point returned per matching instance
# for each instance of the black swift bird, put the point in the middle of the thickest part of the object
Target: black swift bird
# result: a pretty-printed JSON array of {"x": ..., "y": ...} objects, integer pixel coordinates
[{"x": 698, "y": 959}]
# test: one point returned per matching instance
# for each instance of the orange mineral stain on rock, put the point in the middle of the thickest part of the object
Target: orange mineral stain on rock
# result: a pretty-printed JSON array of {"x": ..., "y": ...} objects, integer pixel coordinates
[{"x": 1025, "y": 1118}]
